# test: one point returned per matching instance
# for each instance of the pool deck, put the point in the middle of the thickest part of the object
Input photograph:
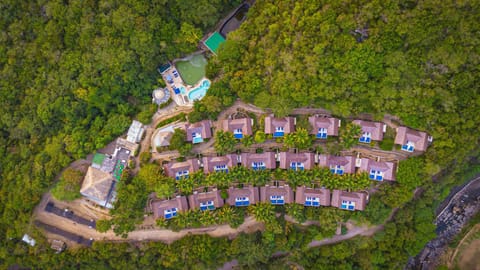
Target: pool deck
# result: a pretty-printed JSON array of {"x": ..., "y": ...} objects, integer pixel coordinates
[{"x": 177, "y": 82}]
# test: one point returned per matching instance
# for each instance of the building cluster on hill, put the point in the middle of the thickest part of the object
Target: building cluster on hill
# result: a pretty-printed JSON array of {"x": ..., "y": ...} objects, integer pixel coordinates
[
  {"x": 106, "y": 170},
  {"x": 279, "y": 193},
  {"x": 99, "y": 184}
]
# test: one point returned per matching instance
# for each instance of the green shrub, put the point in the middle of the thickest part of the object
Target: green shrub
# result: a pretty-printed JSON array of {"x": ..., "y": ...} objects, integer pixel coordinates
[
  {"x": 179, "y": 117},
  {"x": 68, "y": 188},
  {"x": 386, "y": 144}
]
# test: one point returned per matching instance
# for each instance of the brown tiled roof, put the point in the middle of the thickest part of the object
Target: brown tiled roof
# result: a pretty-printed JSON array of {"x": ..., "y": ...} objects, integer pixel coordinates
[
  {"x": 330, "y": 123},
  {"x": 267, "y": 191},
  {"x": 419, "y": 138},
  {"x": 172, "y": 168},
  {"x": 359, "y": 198},
  {"x": 348, "y": 162},
  {"x": 243, "y": 123},
  {"x": 250, "y": 191},
  {"x": 288, "y": 124},
  {"x": 97, "y": 185},
  {"x": 210, "y": 162},
  {"x": 179, "y": 202},
  {"x": 388, "y": 168},
  {"x": 286, "y": 158},
  {"x": 375, "y": 128},
  {"x": 303, "y": 192},
  {"x": 267, "y": 157},
  {"x": 196, "y": 198},
  {"x": 203, "y": 127}
]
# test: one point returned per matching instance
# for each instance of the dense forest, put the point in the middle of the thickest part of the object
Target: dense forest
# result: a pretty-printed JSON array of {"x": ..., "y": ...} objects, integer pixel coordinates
[
  {"x": 417, "y": 60},
  {"x": 74, "y": 73}
]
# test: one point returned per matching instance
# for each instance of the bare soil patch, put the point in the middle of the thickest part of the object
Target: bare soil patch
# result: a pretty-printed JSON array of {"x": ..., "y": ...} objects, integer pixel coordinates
[{"x": 469, "y": 259}]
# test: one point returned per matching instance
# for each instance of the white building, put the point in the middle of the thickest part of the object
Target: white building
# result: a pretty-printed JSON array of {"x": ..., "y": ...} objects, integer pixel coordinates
[{"x": 135, "y": 132}]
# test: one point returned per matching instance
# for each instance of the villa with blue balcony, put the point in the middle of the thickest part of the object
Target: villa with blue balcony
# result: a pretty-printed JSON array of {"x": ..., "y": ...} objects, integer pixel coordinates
[
  {"x": 219, "y": 164},
  {"x": 204, "y": 201},
  {"x": 181, "y": 170},
  {"x": 277, "y": 194},
  {"x": 350, "y": 201},
  {"x": 243, "y": 196},
  {"x": 337, "y": 164},
  {"x": 168, "y": 209},
  {"x": 371, "y": 131},
  {"x": 262, "y": 161},
  {"x": 411, "y": 140},
  {"x": 239, "y": 127},
  {"x": 323, "y": 127},
  {"x": 313, "y": 197},
  {"x": 378, "y": 170},
  {"x": 278, "y": 127},
  {"x": 198, "y": 132},
  {"x": 297, "y": 161}
]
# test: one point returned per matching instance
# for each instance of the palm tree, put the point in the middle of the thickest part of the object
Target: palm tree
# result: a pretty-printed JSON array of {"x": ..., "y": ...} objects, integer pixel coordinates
[
  {"x": 289, "y": 140},
  {"x": 264, "y": 212},
  {"x": 302, "y": 139},
  {"x": 247, "y": 141}
]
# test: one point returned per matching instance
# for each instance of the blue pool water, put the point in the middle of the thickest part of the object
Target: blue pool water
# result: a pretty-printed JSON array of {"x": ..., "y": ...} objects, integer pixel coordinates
[
  {"x": 200, "y": 91},
  {"x": 182, "y": 90}
]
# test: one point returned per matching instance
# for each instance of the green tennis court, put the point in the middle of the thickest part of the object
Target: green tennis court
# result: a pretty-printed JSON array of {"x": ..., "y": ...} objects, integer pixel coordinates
[
  {"x": 214, "y": 41},
  {"x": 192, "y": 70}
]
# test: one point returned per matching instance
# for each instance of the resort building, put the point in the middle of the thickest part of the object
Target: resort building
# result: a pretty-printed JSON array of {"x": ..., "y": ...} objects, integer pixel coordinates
[
  {"x": 322, "y": 127},
  {"x": 135, "y": 132},
  {"x": 337, "y": 164},
  {"x": 278, "y": 194},
  {"x": 99, "y": 187},
  {"x": 244, "y": 196},
  {"x": 128, "y": 145},
  {"x": 219, "y": 164},
  {"x": 205, "y": 200},
  {"x": 349, "y": 200},
  {"x": 168, "y": 209},
  {"x": 160, "y": 96},
  {"x": 371, "y": 131},
  {"x": 297, "y": 161},
  {"x": 198, "y": 132},
  {"x": 279, "y": 126},
  {"x": 312, "y": 196},
  {"x": 162, "y": 139},
  {"x": 411, "y": 140},
  {"x": 378, "y": 170},
  {"x": 99, "y": 183},
  {"x": 239, "y": 127},
  {"x": 180, "y": 170},
  {"x": 265, "y": 160}
]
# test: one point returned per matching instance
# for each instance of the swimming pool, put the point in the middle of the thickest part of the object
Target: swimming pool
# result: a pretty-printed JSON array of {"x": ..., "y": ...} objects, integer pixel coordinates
[{"x": 200, "y": 91}]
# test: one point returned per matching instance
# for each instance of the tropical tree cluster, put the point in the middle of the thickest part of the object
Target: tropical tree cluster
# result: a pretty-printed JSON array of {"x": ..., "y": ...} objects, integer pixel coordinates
[
  {"x": 74, "y": 74},
  {"x": 232, "y": 216},
  {"x": 300, "y": 139},
  {"x": 413, "y": 60},
  {"x": 320, "y": 177},
  {"x": 68, "y": 188}
]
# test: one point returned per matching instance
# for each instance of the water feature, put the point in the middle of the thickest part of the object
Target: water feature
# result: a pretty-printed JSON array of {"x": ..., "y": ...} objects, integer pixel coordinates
[{"x": 200, "y": 91}]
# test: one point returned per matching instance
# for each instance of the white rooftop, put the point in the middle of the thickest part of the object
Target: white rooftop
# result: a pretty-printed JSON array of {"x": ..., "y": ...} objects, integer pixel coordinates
[
  {"x": 29, "y": 240},
  {"x": 135, "y": 132}
]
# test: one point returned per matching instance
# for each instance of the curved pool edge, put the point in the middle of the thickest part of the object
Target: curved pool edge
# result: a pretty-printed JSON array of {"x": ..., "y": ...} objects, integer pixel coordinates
[{"x": 200, "y": 91}]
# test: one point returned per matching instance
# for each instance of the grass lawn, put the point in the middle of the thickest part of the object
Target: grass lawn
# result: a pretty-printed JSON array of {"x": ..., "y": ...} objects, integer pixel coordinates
[{"x": 192, "y": 70}]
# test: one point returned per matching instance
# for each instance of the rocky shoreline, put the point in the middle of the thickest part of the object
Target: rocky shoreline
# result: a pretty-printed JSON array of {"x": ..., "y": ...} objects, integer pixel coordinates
[{"x": 455, "y": 215}]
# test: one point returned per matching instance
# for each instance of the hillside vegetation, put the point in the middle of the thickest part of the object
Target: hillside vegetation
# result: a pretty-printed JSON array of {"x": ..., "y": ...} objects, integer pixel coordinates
[
  {"x": 72, "y": 75},
  {"x": 417, "y": 60}
]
